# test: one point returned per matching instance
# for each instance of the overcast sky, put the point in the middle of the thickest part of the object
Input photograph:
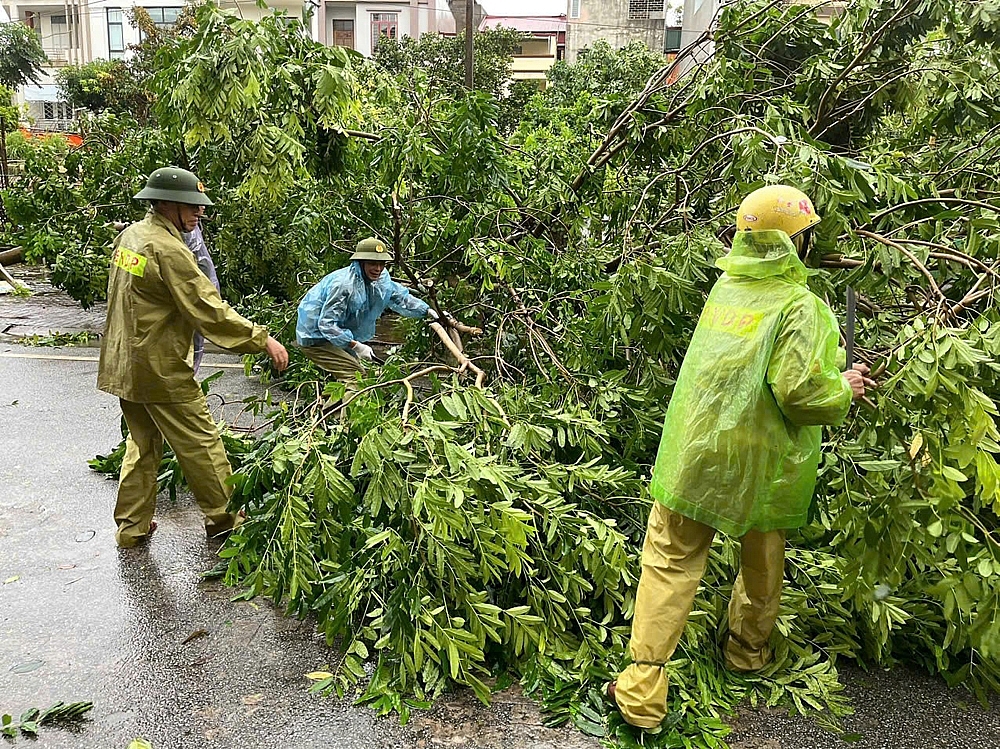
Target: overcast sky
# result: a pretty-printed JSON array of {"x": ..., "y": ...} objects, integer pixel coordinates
[{"x": 524, "y": 7}]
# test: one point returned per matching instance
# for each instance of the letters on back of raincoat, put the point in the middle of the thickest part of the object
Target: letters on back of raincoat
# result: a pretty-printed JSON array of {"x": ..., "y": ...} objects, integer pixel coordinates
[{"x": 741, "y": 438}]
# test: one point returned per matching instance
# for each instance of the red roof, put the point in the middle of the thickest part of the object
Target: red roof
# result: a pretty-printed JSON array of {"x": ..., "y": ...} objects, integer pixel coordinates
[{"x": 527, "y": 24}]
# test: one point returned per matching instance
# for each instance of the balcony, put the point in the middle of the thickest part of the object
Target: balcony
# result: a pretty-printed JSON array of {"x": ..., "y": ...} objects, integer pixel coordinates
[
  {"x": 537, "y": 64},
  {"x": 58, "y": 58}
]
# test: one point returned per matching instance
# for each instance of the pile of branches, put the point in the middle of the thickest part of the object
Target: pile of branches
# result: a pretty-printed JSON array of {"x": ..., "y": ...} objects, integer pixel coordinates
[
  {"x": 498, "y": 529},
  {"x": 492, "y": 523}
]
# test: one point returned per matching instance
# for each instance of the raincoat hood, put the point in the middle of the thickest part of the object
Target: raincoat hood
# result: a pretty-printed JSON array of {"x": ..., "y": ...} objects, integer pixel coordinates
[{"x": 764, "y": 254}]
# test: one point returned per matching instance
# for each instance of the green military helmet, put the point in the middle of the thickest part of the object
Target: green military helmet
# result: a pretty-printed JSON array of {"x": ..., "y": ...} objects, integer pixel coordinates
[
  {"x": 371, "y": 249},
  {"x": 174, "y": 185}
]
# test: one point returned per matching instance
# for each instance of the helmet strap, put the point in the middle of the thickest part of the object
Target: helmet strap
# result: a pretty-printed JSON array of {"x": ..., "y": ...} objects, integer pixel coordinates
[{"x": 803, "y": 243}]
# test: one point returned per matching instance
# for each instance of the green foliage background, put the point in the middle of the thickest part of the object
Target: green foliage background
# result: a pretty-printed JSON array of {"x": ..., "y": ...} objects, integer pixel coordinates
[
  {"x": 21, "y": 55},
  {"x": 466, "y": 533}
]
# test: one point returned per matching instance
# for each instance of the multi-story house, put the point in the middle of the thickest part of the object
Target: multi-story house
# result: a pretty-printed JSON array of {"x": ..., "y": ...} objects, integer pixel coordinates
[
  {"x": 74, "y": 32},
  {"x": 360, "y": 25},
  {"x": 544, "y": 42},
  {"x": 619, "y": 22}
]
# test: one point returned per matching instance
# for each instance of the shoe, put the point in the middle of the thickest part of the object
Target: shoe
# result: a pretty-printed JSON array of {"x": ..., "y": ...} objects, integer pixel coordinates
[
  {"x": 133, "y": 541},
  {"x": 224, "y": 533},
  {"x": 609, "y": 696}
]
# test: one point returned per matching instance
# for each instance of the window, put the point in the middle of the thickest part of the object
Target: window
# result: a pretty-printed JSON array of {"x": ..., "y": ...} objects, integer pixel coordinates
[
  {"x": 642, "y": 10},
  {"x": 56, "y": 110},
  {"x": 116, "y": 34},
  {"x": 383, "y": 25},
  {"x": 164, "y": 18},
  {"x": 672, "y": 39},
  {"x": 60, "y": 33},
  {"x": 343, "y": 33},
  {"x": 574, "y": 8}
]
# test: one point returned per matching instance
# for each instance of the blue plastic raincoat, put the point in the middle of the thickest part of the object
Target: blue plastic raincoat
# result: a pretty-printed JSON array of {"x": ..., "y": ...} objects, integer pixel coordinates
[
  {"x": 195, "y": 241},
  {"x": 741, "y": 438},
  {"x": 345, "y": 306}
]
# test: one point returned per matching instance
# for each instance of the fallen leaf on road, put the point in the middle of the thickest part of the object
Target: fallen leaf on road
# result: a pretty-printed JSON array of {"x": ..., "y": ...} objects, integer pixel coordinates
[
  {"x": 24, "y": 668},
  {"x": 66, "y": 566},
  {"x": 140, "y": 744},
  {"x": 253, "y": 699},
  {"x": 12, "y": 579},
  {"x": 195, "y": 635},
  {"x": 318, "y": 675}
]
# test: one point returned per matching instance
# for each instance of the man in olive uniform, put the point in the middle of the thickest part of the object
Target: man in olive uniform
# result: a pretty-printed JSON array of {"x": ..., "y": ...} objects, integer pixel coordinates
[
  {"x": 157, "y": 298},
  {"x": 740, "y": 445},
  {"x": 338, "y": 315}
]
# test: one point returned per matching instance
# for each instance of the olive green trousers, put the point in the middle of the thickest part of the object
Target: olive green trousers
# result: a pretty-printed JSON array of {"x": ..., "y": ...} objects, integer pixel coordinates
[
  {"x": 336, "y": 361},
  {"x": 191, "y": 432},
  {"x": 674, "y": 556}
]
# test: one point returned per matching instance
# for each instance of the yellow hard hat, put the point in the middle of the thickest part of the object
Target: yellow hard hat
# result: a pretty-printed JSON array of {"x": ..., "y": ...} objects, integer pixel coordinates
[{"x": 776, "y": 207}]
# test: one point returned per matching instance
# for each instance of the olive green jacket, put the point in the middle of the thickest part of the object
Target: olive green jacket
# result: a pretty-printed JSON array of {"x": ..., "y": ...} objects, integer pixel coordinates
[{"x": 157, "y": 298}]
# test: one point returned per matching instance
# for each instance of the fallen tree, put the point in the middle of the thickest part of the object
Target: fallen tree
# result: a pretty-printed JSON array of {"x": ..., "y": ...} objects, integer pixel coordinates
[{"x": 491, "y": 525}]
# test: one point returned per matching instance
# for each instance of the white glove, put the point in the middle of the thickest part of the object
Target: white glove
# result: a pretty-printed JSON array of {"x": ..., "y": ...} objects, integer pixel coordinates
[
  {"x": 432, "y": 314},
  {"x": 362, "y": 351}
]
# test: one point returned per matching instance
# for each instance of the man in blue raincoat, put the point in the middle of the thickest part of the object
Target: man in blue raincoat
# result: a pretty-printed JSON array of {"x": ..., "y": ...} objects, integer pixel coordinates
[{"x": 337, "y": 316}]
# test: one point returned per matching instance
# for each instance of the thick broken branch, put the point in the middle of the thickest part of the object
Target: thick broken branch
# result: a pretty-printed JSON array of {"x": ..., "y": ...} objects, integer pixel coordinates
[{"x": 913, "y": 258}]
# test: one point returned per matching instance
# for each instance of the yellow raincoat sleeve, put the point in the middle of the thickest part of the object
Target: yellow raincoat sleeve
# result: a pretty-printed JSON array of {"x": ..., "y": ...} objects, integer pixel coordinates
[
  {"x": 201, "y": 305},
  {"x": 803, "y": 371}
]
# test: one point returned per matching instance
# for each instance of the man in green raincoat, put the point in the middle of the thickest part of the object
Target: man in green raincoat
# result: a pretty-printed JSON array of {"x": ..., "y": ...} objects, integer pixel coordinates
[
  {"x": 157, "y": 298},
  {"x": 740, "y": 446}
]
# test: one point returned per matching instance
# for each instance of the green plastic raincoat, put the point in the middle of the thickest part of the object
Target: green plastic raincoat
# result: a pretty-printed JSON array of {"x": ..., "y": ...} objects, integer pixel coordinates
[{"x": 741, "y": 438}]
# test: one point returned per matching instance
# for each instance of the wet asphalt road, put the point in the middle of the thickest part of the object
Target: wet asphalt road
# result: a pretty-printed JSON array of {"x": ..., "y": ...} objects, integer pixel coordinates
[
  {"x": 80, "y": 620},
  {"x": 84, "y": 621}
]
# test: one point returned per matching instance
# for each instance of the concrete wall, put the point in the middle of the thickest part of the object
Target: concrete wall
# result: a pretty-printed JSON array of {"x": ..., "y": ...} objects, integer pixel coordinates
[
  {"x": 699, "y": 14},
  {"x": 608, "y": 20},
  {"x": 413, "y": 18}
]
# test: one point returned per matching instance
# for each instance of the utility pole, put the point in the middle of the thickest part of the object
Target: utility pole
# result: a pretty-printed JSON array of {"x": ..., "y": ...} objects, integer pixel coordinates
[{"x": 470, "y": 14}]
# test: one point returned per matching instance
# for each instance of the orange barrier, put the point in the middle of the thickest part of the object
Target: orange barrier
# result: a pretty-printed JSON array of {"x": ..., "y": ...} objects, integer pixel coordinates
[{"x": 73, "y": 139}]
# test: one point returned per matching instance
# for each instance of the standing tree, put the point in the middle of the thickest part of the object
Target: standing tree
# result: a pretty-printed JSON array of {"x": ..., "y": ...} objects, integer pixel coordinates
[
  {"x": 21, "y": 55},
  {"x": 442, "y": 60}
]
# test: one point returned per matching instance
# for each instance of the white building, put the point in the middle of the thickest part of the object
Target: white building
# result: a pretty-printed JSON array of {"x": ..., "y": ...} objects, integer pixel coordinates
[
  {"x": 74, "y": 32},
  {"x": 360, "y": 25}
]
